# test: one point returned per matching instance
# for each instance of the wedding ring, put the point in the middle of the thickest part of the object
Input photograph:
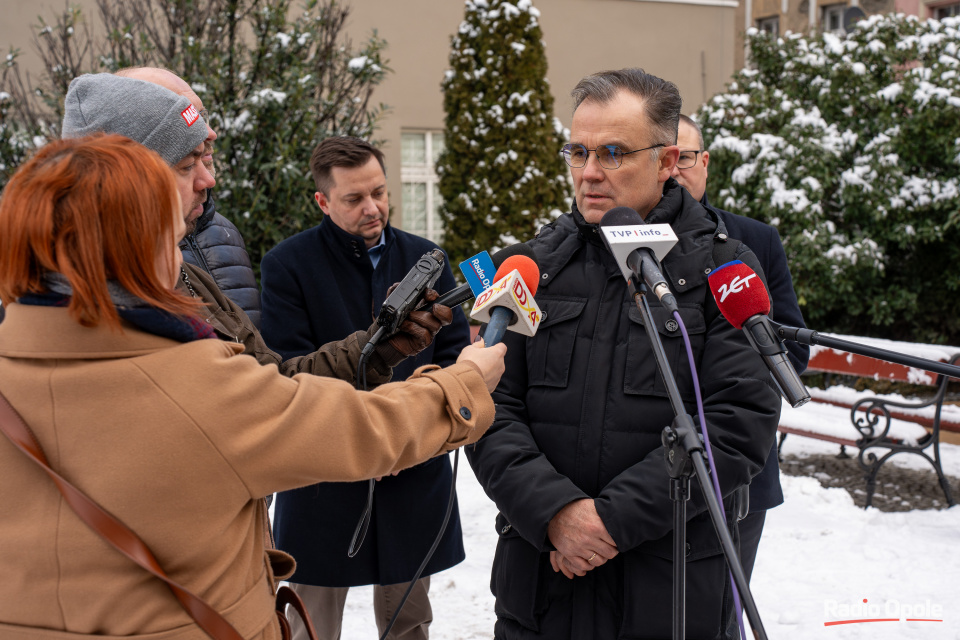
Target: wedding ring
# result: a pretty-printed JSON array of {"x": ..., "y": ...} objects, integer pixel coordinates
[{"x": 590, "y": 559}]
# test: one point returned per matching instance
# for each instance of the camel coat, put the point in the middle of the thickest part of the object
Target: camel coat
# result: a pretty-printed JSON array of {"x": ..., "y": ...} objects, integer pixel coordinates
[{"x": 180, "y": 441}]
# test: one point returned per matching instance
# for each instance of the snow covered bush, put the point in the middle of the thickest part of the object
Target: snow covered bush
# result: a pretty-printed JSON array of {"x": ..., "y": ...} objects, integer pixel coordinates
[
  {"x": 850, "y": 146},
  {"x": 275, "y": 81},
  {"x": 501, "y": 174}
]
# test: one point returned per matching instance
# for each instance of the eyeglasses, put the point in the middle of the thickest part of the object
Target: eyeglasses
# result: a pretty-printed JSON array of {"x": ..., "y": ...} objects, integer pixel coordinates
[
  {"x": 688, "y": 158},
  {"x": 609, "y": 155}
]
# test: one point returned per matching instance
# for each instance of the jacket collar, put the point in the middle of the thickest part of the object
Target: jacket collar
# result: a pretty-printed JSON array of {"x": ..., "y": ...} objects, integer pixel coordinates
[
  {"x": 685, "y": 266},
  {"x": 588, "y": 231},
  {"x": 721, "y": 232},
  {"x": 353, "y": 248},
  {"x": 29, "y": 331},
  {"x": 209, "y": 210}
]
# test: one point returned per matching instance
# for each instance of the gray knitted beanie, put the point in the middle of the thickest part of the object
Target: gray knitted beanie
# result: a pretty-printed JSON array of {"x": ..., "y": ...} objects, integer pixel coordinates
[{"x": 145, "y": 112}]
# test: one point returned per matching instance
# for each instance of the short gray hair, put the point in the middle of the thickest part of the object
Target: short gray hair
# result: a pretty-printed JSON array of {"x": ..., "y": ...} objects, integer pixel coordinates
[
  {"x": 661, "y": 98},
  {"x": 687, "y": 120}
]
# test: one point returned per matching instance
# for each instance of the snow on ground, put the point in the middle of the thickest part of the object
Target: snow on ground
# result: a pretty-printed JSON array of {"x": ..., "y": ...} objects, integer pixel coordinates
[{"x": 819, "y": 558}]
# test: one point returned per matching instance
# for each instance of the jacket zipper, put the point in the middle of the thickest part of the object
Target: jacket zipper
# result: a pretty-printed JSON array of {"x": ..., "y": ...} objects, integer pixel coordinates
[{"x": 192, "y": 241}]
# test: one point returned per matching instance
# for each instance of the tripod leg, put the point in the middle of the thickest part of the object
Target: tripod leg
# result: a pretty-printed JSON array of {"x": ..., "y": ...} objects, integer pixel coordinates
[{"x": 680, "y": 493}]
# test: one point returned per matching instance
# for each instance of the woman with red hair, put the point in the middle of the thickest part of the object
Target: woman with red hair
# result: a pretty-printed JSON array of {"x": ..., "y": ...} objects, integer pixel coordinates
[{"x": 177, "y": 436}]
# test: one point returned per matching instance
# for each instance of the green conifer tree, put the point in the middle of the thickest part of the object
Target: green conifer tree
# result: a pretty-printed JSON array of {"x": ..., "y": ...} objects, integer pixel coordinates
[{"x": 501, "y": 174}]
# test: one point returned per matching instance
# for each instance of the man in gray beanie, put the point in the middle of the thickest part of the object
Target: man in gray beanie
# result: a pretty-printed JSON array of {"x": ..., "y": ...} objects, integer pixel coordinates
[
  {"x": 213, "y": 242},
  {"x": 155, "y": 117}
]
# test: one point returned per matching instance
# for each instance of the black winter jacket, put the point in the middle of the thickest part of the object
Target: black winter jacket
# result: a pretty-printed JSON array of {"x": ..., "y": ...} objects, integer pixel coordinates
[
  {"x": 217, "y": 247},
  {"x": 580, "y": 410}
]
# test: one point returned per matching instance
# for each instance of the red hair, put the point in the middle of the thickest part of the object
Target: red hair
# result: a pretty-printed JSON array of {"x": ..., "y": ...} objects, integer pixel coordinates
[{"x": 92, "y": 209}]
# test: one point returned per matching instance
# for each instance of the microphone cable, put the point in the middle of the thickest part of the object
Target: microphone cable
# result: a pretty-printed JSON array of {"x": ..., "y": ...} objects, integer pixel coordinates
[
  {"x": 433, "y": 547},
  {"x": 360, "y": 533},
  {"x": 360, "y": 383}
]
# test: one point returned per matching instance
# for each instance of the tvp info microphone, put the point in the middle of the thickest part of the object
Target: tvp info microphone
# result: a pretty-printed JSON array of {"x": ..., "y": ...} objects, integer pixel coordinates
[
  {"x": 638, "y": 248},
  {"x": 509, "y": 301},
  {"x": 743, "y": 300}
]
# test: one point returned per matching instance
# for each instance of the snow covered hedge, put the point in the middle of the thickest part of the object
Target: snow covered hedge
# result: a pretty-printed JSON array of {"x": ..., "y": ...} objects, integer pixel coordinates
[
  {"x": 850, "y": 146},
  {"x": 501, "y": 174}
]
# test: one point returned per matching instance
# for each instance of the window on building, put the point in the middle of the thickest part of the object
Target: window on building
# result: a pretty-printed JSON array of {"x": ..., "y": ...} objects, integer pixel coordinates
[
  {"x": 832, "y": 18},
  {"x": 946, "y": 11},
  {"x": 771, "y": 25},
  {"x": 421, "y": 192}
]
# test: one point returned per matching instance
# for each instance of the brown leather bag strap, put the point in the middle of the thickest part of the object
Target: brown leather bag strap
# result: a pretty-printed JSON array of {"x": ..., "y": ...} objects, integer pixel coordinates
[
  {"x": 111, "y": 529},
  {"x": 287, "y": 596}
]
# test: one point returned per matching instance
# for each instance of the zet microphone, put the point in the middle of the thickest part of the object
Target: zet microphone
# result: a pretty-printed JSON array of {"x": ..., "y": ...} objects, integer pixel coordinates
[
  {"x": 743, "y": 300},
  {"x": 509, "y": 301},
  {"x": 477, "y": 279},
  {"x": 638, "y": 247}
]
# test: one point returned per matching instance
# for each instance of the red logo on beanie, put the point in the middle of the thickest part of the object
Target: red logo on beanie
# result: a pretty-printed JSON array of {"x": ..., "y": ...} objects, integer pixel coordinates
[{"x": 190, "y": 115}]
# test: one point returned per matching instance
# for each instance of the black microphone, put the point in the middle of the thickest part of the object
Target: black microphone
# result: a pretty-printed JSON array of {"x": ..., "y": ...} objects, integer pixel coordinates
[
  {"x": 463, "y": 293},
  {"x": 406, "y": 296},
  {"x": 744, "y": 302},
  {"x": 634, "y": 248}
]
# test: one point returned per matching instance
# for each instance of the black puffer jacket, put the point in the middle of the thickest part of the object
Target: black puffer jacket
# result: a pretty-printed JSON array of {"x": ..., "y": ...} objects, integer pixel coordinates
[
  {"x": 217, "y": 247},
  {"x": 580, "y": 410}
]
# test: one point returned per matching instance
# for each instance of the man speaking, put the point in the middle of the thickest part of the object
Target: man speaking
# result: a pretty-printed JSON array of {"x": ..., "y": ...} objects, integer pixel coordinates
[{"x": 574, "y": 460}]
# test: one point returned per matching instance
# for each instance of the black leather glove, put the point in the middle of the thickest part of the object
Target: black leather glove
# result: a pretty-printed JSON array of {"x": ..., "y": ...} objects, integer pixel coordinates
[{"x": 417, "y": 331}]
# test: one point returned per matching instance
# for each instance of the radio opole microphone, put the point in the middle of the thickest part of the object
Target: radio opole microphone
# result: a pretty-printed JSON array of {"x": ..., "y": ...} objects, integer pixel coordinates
[
  {"x": 509, "y": 301},
  {"x": 743, "y": 300},
  {"x": 477, "y": 280},
  {"x": 638, "y": 247}
]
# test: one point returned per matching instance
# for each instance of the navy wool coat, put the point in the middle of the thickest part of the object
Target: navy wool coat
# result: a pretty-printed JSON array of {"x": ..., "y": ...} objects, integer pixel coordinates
[
  {"x": 320, "y": 286},
  {"x": 765, "y": 490}
]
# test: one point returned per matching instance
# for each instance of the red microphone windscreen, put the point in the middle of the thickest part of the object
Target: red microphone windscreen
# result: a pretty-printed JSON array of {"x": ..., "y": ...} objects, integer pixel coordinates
[
  {"x": 739, "y": 292},
  {"x": 528, "y": 269}
]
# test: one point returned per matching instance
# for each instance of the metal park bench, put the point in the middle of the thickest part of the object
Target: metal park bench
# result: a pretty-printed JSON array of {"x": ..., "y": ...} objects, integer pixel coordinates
[{"x": 882, "y": 425}]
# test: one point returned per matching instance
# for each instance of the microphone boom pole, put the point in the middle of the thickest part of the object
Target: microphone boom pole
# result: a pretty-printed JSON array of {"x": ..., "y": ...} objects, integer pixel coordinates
[{"x": 810, "y": 337}]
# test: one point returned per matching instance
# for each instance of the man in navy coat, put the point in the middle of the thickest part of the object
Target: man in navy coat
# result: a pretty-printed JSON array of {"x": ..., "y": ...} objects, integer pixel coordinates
[
  {"x": 691, "y": 172},
  {"x": 323, "y": 284}
]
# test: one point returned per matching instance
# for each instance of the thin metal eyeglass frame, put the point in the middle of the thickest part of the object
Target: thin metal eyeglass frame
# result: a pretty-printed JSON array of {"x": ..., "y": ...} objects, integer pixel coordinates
[{"x": 612, "y": 148}]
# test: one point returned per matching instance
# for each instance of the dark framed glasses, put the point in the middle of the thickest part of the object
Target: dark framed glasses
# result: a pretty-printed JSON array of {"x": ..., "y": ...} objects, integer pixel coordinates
[{"x": 688, "y": 158}]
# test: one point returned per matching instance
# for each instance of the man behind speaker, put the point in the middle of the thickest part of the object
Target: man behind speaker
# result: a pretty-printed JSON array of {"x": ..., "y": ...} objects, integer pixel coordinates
[
  {"x": 691, "y": 173},
  {"x": 321, "y": 285}
]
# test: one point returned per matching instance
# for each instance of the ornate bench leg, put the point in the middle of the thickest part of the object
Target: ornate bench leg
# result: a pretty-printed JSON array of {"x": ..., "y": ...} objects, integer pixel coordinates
[
  {"x": 843, "y": 455},
  {"x": 871, "y": 467},
  {"x": 945, "y": 485},
  {"x": 871, "y": 479}
]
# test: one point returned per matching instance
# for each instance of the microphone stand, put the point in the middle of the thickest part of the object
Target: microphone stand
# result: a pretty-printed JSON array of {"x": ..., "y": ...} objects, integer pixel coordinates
[
  {"x": 810, "y": 337},
  {"x": 684, "y": 456}
]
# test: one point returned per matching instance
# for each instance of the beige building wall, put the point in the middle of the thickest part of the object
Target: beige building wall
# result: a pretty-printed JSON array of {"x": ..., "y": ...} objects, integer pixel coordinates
[
  {"x": 691, "y": 42},
  {"x": 17, "y": 18}
]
